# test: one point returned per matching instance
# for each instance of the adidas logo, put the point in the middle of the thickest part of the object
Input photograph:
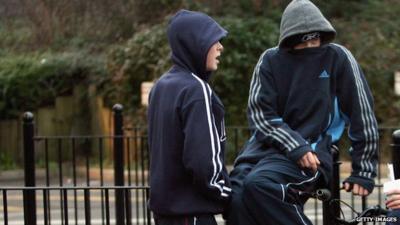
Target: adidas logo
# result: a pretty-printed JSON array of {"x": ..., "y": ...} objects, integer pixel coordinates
[{"x": 324, "y": 74}]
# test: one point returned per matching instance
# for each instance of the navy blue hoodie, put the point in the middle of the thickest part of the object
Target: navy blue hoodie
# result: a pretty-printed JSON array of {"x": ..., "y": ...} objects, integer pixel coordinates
[
  {"x": 300, "y": 101},
  {"x": 186, "y": 125}
]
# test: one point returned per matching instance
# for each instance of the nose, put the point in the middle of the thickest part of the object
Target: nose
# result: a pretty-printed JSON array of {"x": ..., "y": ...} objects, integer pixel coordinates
[{"x": 220, "y": 47}]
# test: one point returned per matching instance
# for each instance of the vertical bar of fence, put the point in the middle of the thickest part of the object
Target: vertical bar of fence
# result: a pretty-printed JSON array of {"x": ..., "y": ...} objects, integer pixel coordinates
[
  {"x": 45, "y": 206},
  {"x": 107, "y": 199},
  {"x": 143, "y": 148},
  {"x": 128, "y": 149},
  {"x": 136, "y": 144},
  {"x": 316, "y": 212},
  {"x": 46, "y": 158},
  {"x": 87, "y": 155},
  {"x": 364, "y": 205},
  {"x": 60, "y": 178},
  {"x": 127, "y": 191},
  {"x": 352, "y": 205},
  {"x": 74, "y": 180},
  {"x": 47, "y": 197},
  {"x": 29, "y": 169},
  {"x": 148, "y": 218},
  {"x": 86, "y": 198},
  {"x": 119, "y": 164},
  {"x": 101, "y": 152},
  {"x": 396, "y": 154},
  {"x": 330, "y": 212},
  {"x": 128, "y": 206},
  {"x": 379, "y": 169},
  {"x": 5, "y": 208},
  {"x": 86, "y": 193},
  {"x": 65, "y": 200}
]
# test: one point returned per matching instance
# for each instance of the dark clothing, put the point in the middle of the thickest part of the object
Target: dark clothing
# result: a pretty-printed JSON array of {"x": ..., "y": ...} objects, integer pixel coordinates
[
  {"x": 186, "y": 126},
  {"x": 188, "y": 220},
  {"x": 396, "y": 217},
  {"x": 300, "y": 101},
  {"x": 299, "y": 97},
  {"x": 267, "y": 192},
  {"x": 297, "y": 106}
]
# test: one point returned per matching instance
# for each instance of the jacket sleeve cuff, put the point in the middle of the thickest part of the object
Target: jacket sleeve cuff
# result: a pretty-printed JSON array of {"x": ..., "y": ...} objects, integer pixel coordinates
[
  {"x": 363, "y": 181},
  {"x": 297, "y": 153}
]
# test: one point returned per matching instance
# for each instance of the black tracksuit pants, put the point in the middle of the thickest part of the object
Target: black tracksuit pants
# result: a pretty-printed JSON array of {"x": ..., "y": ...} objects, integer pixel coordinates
[
  {"x": 186, "y": 220},
  {"x": 267, "y": 193}
]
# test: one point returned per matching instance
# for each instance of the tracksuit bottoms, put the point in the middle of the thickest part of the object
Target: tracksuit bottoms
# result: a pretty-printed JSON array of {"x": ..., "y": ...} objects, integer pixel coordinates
[{"x": 269, "y": 192}]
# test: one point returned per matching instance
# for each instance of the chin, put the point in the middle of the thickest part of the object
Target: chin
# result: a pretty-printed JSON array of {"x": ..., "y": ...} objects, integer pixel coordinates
[{"x": 212, "y": 69}]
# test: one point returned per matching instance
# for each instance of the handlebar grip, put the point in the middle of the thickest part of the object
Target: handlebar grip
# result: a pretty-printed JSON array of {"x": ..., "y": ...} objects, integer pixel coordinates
[
  {"x": 381, "y": 211},
  {"x": 323, "y": 194}
]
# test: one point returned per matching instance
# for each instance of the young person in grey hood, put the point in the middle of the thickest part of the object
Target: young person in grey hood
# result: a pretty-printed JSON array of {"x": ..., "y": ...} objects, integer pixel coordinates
[
  {"x": 188, "y": 179},
  {"x": 302, "y": 95}
]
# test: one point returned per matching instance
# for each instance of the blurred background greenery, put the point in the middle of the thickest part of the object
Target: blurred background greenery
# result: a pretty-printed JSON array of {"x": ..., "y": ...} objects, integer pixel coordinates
[{"x": 47, "y": 47}]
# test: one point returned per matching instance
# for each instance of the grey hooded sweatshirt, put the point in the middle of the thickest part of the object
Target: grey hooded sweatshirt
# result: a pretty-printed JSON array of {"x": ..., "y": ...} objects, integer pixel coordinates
[{"x": 302, "y": 100}]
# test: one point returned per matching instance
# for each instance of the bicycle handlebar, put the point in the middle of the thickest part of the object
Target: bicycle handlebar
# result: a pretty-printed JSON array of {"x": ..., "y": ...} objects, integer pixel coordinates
[{"x": 373, "y": 211}]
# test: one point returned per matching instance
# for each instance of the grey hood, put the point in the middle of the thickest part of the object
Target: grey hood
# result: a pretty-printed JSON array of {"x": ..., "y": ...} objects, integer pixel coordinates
[{"x": 301, "y": 17}]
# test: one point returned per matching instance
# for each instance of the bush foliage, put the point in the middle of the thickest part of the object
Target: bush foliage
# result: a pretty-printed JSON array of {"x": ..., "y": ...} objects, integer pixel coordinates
[
  {"x": 146, "y": 57},
  {"x": 30, "y": 81},
  {"x": 370, "y": 29},
  {"x": 371, "y": 33}
]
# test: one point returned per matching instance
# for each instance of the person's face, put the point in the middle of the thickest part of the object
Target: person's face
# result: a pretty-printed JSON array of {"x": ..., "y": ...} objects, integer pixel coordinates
[
  {"x": 313, "y": 43},
  {"x": 212, "y": 56}
]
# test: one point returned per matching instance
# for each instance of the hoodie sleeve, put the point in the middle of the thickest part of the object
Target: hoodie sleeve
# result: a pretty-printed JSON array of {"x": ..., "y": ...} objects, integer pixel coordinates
[
  {"x": 203, "y": 154},
  {"x": 356, "y": 103},
  {"x": 263, "y": 116}
]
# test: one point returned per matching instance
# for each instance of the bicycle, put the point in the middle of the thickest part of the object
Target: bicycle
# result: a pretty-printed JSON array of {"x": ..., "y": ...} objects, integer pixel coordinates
[{"x": 373, "y": 214}]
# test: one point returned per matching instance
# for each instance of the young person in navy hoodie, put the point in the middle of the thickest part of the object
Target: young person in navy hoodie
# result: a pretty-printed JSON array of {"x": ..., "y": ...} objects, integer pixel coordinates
[
  {"x": 188, "y": 180},
  {"x": 302, "y": 94}
]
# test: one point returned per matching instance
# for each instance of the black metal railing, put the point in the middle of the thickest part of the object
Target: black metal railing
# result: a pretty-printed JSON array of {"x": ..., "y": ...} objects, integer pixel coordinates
[
  {"x": 85, "y": 211},
  {"x": 103, "y": 179},
  {"x": 75, "y": 167}
]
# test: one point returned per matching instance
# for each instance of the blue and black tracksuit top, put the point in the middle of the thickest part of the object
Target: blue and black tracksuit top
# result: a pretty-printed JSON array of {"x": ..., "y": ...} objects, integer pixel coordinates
[
  {"x": 186, "y": 126},
  {"x": 301, "y": 100}
]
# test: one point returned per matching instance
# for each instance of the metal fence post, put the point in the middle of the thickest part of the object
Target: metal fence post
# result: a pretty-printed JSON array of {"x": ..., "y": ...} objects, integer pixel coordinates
[
  {"x": 29, "y": 169},
  {"x": 119, "y": 164},
  {"x": 396, "y": 153},
  {"x": 330, "y": 212}
]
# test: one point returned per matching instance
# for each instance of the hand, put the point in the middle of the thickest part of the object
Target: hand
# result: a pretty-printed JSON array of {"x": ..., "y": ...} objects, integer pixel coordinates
[
  {"x": 357, "y": 189},
  {"x": 393, "y": 199},
  {"x": 310, "y": 161}
]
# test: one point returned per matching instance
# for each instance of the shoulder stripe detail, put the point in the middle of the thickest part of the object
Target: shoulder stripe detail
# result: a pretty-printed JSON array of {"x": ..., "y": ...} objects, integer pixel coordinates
[
  {"x": 369, "y": 121},
  {"x": 218, "y": 155},
  {"x": 257, "y": 115},
  {"x": 212, "y": 138}
]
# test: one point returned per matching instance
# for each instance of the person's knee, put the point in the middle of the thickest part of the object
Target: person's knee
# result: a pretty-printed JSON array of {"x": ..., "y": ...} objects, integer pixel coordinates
[
  {"x": 252, "y": 183},
  {"x": 255, "y": 187}
]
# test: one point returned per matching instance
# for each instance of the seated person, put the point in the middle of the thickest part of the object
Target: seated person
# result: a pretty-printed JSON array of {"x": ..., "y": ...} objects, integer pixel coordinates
[{"x": 302, "y": 94}]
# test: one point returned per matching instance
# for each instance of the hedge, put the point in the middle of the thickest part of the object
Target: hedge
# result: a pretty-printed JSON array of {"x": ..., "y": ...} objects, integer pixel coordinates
[{"x": 30, "y": 81}]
